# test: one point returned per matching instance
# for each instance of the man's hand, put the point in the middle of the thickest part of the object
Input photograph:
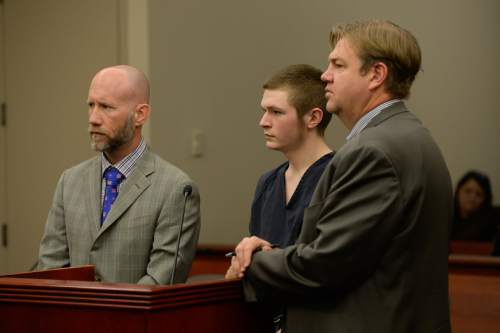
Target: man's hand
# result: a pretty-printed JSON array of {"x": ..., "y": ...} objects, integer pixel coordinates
[
  {"x": 246, "y": 248},
  {"x": 233, "y": 270}
]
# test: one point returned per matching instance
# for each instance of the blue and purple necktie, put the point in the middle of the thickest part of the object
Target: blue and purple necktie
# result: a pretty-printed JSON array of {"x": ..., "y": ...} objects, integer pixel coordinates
[{"x": 112, "y": 178}]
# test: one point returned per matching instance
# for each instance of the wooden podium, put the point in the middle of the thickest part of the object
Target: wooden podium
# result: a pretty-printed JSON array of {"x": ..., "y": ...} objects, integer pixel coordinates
[{"x": 69, "y": 300}]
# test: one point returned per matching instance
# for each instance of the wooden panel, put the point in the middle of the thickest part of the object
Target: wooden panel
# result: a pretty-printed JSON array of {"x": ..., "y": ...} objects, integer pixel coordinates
[
  {"x": 77, "y": 273},
  {"x": 468, "y": 247},
  {"x": 474, "y": 303},
  {"x": 30, "y": 305},
  {"x": 473, "y": 264},
  {"x": 52, "y": 318},
  {"x": 474, "y": 288},
  {"x": 211, "y": 260}
]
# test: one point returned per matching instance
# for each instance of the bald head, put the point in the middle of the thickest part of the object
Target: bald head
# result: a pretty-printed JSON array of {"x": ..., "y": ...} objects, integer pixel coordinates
[
  {"x": 126, "y": 81},
  {"x": 118, "y": 108}
]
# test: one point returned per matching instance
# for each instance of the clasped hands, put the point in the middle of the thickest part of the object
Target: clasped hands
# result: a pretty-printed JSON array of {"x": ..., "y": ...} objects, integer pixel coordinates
[{"x": 243, "y": 258}]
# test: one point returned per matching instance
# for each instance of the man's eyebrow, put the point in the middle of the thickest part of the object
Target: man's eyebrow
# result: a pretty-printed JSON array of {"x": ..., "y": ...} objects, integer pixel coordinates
[{"x": 272, "y": 108}]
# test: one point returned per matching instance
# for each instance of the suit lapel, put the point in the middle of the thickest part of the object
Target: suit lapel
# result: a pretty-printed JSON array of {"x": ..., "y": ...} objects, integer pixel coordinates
[
  {"x": 391, "y": 111},
  {"x": 93, "y": 198},
  {"x": 130, "y": 189}
]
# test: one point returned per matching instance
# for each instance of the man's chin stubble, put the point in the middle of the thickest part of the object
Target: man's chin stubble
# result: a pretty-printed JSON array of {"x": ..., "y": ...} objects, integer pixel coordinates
[{"x": 99, "y": 147}]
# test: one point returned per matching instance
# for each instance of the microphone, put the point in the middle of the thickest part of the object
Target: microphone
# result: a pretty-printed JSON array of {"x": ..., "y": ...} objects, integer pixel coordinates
[{"x": 187, "y": 192}]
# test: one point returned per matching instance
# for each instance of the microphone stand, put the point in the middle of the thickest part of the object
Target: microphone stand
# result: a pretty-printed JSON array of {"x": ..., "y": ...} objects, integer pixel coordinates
[{"x": 187, "y": 192}]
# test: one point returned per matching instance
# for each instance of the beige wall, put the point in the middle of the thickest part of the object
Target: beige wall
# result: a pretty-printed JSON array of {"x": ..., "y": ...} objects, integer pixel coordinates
[
  {"x": 207, "y": 60},
  {"x": 52, "y": 49},
  {"x": 3, "y": 145}
]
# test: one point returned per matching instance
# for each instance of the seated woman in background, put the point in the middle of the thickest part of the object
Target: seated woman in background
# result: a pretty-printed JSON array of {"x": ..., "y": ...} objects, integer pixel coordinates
[{"x": 475, "y": 218}]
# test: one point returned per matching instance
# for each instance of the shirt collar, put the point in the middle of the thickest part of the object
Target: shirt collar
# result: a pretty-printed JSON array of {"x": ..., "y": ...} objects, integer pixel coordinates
[
  {"x": 127, "y": 164},
  {"x": 363, "y": 121}
]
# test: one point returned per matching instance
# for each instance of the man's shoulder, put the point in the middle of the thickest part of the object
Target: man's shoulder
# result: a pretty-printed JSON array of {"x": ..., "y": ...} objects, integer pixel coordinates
[
  {"x": 267, "y": 179},
  {"x": 270, "y": 175},
  {"x": 397, "y": 119},
  {"x": 79, "y": 174},
  {"x": 394, "y": 126},
  {"x": 83, "y": 166}
]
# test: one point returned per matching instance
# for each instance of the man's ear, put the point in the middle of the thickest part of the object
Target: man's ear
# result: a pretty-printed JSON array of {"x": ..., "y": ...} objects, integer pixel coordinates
[
  {"x": 378, "y": 75},
  {"x": 313, "y": 118},
  {"x": 141, "y": 114}
]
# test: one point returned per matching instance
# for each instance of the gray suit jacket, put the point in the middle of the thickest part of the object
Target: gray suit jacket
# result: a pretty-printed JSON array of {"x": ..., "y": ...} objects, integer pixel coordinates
[
  {"x": 137, "y": 242},
  {"x": 372, "y": 255}
]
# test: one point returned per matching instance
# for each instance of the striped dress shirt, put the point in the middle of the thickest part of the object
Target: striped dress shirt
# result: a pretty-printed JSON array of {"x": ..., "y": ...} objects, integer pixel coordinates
[
  {"x": 126, "y": 166},
  {"x": 363, "y": 121}
]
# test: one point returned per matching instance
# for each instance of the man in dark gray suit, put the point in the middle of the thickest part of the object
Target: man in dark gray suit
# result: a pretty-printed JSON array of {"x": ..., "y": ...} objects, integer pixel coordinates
[
  {"x": 372, "y": 253},
  {"x": 122, "y": 210}
]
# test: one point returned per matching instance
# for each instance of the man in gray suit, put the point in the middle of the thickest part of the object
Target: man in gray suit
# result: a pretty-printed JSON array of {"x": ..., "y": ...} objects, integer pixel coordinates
[
  {"x": 122, "y": 210},
  {"x": 372, "y": 253}
]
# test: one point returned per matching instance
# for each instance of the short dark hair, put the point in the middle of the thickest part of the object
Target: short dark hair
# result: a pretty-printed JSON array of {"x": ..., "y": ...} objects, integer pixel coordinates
[{"x": 306, "y": 90}]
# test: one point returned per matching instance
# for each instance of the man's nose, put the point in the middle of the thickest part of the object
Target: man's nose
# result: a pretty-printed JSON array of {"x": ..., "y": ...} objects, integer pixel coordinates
[
  {"x": 264, "y": 120},
  {"x": 94, "y": 116},
  {"x": 325, "y": 77}
]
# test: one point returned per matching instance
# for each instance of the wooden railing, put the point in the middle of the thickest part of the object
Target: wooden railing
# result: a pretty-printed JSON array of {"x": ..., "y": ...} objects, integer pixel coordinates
[{"x": 468, "y": 247}]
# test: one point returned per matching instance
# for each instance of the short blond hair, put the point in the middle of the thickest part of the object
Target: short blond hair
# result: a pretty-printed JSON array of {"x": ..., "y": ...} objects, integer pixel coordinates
[{"x": 384, "y": 41}]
